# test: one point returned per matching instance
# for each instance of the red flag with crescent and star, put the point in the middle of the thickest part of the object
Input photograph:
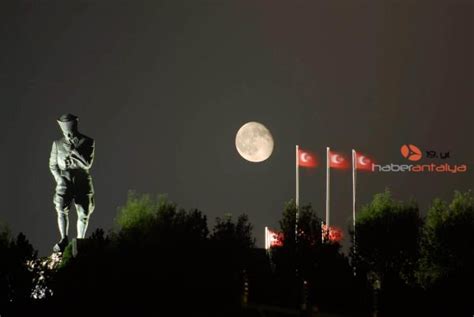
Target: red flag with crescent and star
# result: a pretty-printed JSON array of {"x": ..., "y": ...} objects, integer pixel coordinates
[
  {"x": 337, "y": 160},
  {"x": 363, "y": 162},
  {"x": 306, "y": 158},
  {"x": 273, "y": 238},
  {"x": 335, "y": 234}
]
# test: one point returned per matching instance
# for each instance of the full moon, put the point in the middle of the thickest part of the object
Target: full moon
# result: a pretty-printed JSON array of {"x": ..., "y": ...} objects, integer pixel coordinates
[{"x": 254, "y": 142}]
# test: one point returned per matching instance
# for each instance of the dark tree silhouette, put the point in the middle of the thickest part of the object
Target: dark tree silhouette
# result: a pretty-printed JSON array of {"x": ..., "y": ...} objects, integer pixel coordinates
[
  {"x": 311, "y": 271},
  {"x": 446, "y": 268},
  {"x": 231, "y": 244},
  {"x": 164, "y": 260},
  {"x": 161, "y": 259},
  {"x": 16, "y": 279},
  {"x": 238, "y": 234},
  {"x": 386, "y": 248}
]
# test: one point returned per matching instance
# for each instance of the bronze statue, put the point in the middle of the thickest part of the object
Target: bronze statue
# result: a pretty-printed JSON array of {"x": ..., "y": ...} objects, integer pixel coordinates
[{"x": 70, "y": 161}]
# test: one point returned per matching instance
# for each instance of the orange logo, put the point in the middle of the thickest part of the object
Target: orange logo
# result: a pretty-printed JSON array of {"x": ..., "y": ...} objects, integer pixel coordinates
[{"x": 411, "y": 152}]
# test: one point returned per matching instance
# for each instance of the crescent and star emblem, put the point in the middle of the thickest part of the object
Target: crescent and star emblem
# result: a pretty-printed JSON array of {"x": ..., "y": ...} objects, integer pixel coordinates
[
  {"x": 305, "y": 157},
  {"x": 337, "y": 159},
  {"x": 363, "y": 160}
]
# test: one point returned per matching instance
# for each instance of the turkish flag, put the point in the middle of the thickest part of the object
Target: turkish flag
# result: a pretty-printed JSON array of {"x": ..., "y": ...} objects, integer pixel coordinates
[
  {"x": 337, "y": 160},
  {"x": 306, "y": 159},
  {"x": 363, "y": 162},
  {"x": 335, "y": 234},
  {"x": 273, "y": 238}
]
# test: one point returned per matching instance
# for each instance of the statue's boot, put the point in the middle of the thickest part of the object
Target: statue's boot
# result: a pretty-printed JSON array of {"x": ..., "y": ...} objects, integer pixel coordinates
[{"x": 61, "y": 245}]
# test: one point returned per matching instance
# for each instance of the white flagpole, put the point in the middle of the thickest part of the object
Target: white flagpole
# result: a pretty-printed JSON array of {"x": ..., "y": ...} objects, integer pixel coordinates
[
  {"x": 354, "y": 179},
  {"x": 266, "y": 238},
  {"x": 297, "y": 197},
  {"x": 354, "y": 167},
  {"x": 327, "y": 188}
]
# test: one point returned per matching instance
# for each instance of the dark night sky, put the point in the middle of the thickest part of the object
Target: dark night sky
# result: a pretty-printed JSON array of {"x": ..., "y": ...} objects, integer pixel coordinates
[{"x": 163, "y": 87}]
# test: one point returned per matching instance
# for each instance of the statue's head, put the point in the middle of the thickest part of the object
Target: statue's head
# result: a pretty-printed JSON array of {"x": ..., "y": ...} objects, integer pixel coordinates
[{"x": 68, "y": 124}]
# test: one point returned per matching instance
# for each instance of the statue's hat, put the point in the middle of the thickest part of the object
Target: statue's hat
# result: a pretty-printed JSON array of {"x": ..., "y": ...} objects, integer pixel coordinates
[
  {"x": 67, "y": 118},
  {"x": 68, "y": 123}
]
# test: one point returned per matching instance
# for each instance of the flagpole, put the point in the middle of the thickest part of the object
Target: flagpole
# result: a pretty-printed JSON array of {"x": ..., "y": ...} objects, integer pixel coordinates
[
  {"x": 297, "y": 203},
  {"x": 354, "y": 163},
  {"x": 297, "y": 196},
  {"x": 327, "y": 188},
  {"x": 266, "y": 239},
  {"x": 354, "y": 168}
]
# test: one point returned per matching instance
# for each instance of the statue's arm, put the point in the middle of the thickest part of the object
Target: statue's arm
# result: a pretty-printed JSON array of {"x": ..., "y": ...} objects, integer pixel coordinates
[
  {"x": 85, "y": 157},
  {"x": 53, "y": 162}
]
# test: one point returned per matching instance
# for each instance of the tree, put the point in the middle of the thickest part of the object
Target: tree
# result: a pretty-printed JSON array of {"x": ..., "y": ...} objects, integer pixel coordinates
[
  {"x": 387, "y": 236},
  {"x": 447, "y": 255},
  {"x": 308, "y": 232},
  {"x": 299, "y": 247},
  {"x": 231, "y": 252},
  {"x": 139, "y": 211},
  {"x": 387, "y": 246},
  {"x": 308, "y": 265},
  {"x": 16, "y": 280},
  {"x": 146, "y": 220},
  {"x": 4, "y": 267},
  {"x": 235, "y": 235}
]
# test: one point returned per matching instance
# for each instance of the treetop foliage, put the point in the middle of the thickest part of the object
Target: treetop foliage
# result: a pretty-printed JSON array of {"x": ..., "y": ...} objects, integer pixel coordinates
[
  {"x": 384, "y": 206},
  {"x": 4, "y": 234},
  {"x": 448, "y": 239},
  {"x": 387, "y": 236},
  {"x": 238, "y": 233},
  {"x": 141, "y": 209},
  {"x": 398, "y": 261}
]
